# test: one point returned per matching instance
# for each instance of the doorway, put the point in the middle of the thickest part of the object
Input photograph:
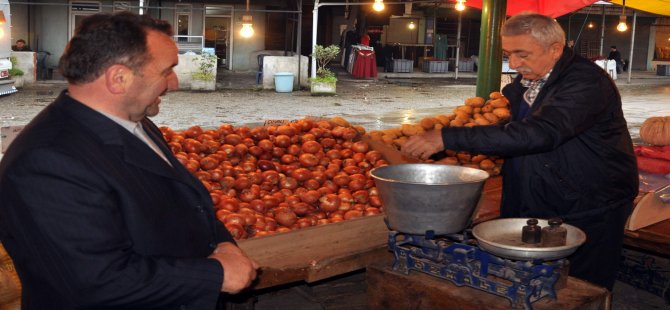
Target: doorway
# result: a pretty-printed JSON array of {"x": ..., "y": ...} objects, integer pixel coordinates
[{"x": 218, "y": 25}]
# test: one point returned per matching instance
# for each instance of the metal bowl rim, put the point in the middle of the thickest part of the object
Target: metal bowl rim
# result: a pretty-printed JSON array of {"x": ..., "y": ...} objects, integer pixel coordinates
[
  {"x": 581, "y": 238},
  {"x": 487, "y": 175}
]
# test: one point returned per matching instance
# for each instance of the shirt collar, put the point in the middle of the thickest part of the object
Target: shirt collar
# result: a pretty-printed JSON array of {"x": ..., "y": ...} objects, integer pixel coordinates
[
  {"x": 538, "y": 82},
  {"x": 128, "y": 125}
]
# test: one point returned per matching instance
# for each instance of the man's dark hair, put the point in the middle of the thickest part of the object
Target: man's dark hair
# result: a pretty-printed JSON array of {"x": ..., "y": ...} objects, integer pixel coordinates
[
  {"x": 106, "y": 39},
  {"x": 21, "y": 40},
  {"x": 613, "y": 46}
]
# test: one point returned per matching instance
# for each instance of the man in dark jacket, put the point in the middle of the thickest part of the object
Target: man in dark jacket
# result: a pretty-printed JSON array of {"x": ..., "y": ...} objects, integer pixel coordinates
[
  {"x": 616, "y": 56},
  {"x": 95, "y": 210},
  {"x": 567, "y": 149}
]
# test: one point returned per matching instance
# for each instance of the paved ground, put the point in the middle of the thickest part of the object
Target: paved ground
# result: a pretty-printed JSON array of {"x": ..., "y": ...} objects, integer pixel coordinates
[{"x": 387, "y": 102}]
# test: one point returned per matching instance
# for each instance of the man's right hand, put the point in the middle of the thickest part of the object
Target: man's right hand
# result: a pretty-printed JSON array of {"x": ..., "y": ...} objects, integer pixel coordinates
[{"x": 238, "y": 269}]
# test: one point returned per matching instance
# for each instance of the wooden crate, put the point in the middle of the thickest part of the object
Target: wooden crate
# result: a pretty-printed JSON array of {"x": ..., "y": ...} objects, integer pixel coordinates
[
  {"x": 318, "y": 252},
  {"x": 388, "y": 289}
]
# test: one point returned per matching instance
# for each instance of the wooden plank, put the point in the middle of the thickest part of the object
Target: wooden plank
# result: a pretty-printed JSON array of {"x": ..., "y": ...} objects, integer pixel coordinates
[
  {"x": 391, "y": 290},
  {"x": 655, "y": 238},
  {"x": 318, "y": 252}
]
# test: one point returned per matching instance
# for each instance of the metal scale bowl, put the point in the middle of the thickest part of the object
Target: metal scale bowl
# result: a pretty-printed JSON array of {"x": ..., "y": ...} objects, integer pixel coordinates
[{"x": 425, "y": 202}]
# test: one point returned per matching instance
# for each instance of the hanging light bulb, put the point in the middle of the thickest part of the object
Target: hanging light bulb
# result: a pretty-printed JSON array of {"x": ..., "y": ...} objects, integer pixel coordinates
[
  {"x": 591, "y": 25},
  {"x": 460, "y": 5},
  {"x": 378, "y": 6},
  {"x": 622, "y": 19},
  {"x": 622, "y": 24},
  {"x": 247, "y": 30},
  {"x": 411, "y": 25}
]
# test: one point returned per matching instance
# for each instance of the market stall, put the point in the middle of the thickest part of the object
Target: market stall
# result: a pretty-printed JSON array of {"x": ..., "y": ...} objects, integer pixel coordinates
[{"x": 301, "y": 248}]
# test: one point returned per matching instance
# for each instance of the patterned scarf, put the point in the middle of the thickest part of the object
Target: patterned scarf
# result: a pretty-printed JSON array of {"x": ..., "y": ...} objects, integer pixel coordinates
[{"x": 534, "y": 87}]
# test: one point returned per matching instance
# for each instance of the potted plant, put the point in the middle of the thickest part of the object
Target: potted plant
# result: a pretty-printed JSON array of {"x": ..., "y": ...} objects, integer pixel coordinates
[
  {"x": 204, "y": 77},
  {"x": 325, "y": 81},
  {"x": 15, "y": 73}
]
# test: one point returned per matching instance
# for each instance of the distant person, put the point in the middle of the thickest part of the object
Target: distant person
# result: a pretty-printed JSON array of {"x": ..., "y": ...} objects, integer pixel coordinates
[
  {"x": 571, "y": 44},
  {"x": 21, "y": 46},
  {"x": 616, "y": 56}
]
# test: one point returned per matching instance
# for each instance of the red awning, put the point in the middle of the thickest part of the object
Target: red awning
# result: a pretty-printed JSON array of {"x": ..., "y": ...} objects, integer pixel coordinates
[{"x": 553, "y": 8}]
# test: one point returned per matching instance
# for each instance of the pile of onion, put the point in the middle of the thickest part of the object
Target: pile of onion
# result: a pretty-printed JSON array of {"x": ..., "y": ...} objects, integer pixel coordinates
[{"x": 275, "y": 179}]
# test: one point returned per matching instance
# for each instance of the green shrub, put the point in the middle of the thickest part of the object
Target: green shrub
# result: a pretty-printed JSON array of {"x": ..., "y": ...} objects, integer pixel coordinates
[
  {"x": 14, "y": 71},
  {"x": 323, "y": 56},
  {"x": 206, "y": 62}
]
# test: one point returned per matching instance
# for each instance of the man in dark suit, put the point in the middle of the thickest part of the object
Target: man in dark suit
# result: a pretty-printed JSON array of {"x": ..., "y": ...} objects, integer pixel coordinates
[{"x": 95, "y": 211}]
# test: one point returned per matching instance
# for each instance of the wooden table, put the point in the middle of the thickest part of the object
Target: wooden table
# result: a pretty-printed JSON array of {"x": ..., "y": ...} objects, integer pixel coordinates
[{"x": 388, "y": 289}]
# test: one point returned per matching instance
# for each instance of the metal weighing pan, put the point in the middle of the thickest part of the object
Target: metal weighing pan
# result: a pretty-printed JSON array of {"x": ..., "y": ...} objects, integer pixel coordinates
[{"x": 502, "y": 237}]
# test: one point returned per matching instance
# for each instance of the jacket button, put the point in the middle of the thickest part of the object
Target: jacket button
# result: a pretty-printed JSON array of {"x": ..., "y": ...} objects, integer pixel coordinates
[{"x": 212, "y": 245}]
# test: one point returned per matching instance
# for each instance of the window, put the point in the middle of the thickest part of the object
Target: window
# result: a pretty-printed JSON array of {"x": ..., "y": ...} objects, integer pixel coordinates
[
  {"x": 182, "y": 21},
  {"x": 80, "y": 10}
]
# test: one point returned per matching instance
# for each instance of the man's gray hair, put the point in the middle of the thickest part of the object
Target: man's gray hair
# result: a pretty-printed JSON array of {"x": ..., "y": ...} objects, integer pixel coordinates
[{"x": 542, "y": 28}]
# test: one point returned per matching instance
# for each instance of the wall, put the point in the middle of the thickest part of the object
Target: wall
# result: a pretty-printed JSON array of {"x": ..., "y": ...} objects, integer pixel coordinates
[
  {"x": 274, "y": 64},
  {"x": 27, "y": 62},
  {"x": 20, "y": 24},
  {"x": 51, "y": 30},
  {"x": 243, "y": 47},
  {"x": 622, "y": 40},
  {"x": 188, "y": 64}
]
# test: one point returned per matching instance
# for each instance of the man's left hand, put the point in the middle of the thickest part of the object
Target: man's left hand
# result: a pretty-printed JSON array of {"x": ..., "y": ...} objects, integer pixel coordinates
[{"x": 424, "y": 145}]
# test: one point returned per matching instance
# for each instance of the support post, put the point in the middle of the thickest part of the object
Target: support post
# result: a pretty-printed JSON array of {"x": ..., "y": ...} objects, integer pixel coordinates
[
  {"x": 490, "y": 47},
  {"x": 602, "y": 34},
  {"x": 632, "y": 46},
  {"x": 458, "y": 44},
  {"x": 315, "y": 21}
]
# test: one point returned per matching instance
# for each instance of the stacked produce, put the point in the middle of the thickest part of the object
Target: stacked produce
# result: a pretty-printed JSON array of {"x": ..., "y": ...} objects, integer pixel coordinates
[
  {"x": 280, "y": 178},
  {"x": 654, "y": 157},
  {"x": 476, "y": 111}
]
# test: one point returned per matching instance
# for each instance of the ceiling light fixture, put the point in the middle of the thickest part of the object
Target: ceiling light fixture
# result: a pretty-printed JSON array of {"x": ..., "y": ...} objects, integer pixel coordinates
[
  {"x": 460, "y": 5},
  {"x": 378, "y": 6},
  {"x": 411, "y": 25},
  {"x": 622, "y": 19},
  {"x": 247, "y": 30}
]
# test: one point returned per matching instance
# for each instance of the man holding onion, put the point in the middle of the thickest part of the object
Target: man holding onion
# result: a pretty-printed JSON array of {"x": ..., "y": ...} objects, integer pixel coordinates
[
  {"x": 95, "y": 210},
  {"x": 567, "y": 149}
]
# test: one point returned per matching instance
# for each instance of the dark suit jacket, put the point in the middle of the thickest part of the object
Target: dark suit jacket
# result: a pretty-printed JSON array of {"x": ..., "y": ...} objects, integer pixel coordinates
[{"x": 93, "y": 218}]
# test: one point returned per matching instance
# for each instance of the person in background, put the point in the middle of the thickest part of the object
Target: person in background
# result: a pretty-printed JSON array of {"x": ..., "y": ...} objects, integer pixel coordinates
[
  {"x": 616, "y": 56},
  {"x": 21, "y": 46},
  {"x": 95, "y": 210},
  {"x": 567, "y": 149},
  {"x": 571, "y": 44}
]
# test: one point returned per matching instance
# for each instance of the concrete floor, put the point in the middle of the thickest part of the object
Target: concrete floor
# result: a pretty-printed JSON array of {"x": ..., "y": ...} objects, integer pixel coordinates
[{"x": 388, "y": 101}]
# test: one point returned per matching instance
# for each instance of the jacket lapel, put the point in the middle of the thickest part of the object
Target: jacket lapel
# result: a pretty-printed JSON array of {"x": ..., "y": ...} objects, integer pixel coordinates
[
  {"x": 111, "y": 134},
  {"x": 156, "y": 135}
]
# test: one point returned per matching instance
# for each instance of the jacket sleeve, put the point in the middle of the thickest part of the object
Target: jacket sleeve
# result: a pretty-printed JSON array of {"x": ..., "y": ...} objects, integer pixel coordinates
[
  {"x": 67, "y": 221},
  {"x": 571, "y": 107}
]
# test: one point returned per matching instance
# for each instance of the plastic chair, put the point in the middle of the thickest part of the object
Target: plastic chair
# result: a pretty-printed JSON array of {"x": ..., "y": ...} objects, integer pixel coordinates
[
  {"x": 259, "y": 73},
  {"x": 42, "y": 69},
  {"x": 611, "y": 69}
]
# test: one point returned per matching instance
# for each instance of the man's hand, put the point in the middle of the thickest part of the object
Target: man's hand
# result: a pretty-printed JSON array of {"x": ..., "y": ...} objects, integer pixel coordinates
[
  {"x": 424, "y": 145},
  {"x": 238, "y": 269}
]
